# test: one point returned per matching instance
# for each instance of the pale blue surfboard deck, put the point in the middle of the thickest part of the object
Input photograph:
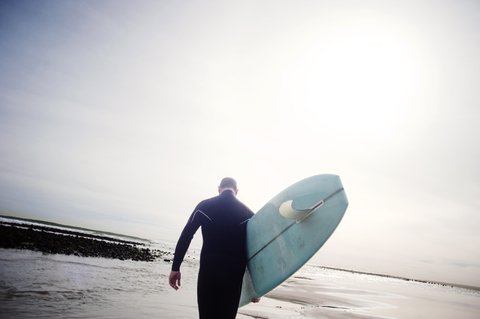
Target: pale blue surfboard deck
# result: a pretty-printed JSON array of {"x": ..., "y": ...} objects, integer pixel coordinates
[{"x": 286, "y": 232}]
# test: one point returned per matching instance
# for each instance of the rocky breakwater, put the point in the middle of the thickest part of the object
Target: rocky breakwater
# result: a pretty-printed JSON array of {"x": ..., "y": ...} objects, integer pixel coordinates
[{"x": 59, "y": 241}]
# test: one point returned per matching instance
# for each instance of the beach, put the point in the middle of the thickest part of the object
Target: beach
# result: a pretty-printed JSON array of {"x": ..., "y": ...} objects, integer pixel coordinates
[
  {"x": 340, "y": 294},
  {"x": 35, "y": 284}
]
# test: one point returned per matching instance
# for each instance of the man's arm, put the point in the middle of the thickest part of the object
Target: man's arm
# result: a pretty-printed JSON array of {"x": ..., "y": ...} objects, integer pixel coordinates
[{"x": 183, "y": 243}]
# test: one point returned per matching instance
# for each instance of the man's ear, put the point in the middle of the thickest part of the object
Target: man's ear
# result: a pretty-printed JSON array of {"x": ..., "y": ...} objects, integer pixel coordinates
[
  {"x": 236, "y": 192},
  {"x": 219, "y": 190}
]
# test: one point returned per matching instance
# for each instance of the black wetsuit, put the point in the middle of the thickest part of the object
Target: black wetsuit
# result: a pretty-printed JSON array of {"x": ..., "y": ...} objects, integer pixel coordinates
[{"x": 223, "y": 258}]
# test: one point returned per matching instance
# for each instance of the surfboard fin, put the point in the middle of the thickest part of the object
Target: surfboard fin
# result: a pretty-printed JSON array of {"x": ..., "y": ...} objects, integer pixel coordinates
[{"x": 287, "y": 211}]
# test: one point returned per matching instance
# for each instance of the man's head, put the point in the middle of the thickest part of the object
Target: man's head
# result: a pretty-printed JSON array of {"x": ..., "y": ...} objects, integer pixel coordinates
[{"x": 228, "y": 183}]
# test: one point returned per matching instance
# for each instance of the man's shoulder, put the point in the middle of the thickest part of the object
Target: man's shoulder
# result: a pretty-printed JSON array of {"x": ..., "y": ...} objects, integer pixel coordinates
[
  {"x": 207, "y": 201},
  {"x": 222, "y": 200}
]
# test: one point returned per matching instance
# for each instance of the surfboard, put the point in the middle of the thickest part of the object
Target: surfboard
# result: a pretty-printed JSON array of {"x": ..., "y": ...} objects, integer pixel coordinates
[{"x": 287, "y": 231}]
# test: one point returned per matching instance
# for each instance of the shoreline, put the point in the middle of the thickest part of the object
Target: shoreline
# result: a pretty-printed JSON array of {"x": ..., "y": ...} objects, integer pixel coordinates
[
  {"x": 350, "y": 296},
  {"x": 401, "y": 278},
  {"x": 44, "y": 223},
  {"x": 146, "y": 254},
  {"x": 324, "y": 292},
  {"x": 53, "y": 240}
]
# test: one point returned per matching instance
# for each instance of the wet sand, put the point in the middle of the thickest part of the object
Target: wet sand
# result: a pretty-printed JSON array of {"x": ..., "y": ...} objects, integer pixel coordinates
[
  {"x": 300, "y": 297},
  {"x": 338, "y": 294}
]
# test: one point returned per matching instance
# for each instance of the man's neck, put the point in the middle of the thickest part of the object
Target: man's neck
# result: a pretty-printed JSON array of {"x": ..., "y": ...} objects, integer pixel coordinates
[{"x": 227, "y": 189}]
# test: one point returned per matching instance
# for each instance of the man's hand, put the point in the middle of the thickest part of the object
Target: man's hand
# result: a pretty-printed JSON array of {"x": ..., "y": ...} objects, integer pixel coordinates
[{"x": 174, "y": 279}]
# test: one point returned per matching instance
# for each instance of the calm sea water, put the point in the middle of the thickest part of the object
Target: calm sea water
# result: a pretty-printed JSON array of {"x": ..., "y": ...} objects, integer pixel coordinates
[{"x": 37, "y": 285}]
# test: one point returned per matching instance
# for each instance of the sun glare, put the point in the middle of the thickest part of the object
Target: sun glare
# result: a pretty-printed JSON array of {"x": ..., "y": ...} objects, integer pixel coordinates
[{"x": 357, "y": 81}]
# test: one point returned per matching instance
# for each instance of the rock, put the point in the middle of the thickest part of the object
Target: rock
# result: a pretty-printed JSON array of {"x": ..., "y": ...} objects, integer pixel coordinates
[{"x": 56, "y": 241}]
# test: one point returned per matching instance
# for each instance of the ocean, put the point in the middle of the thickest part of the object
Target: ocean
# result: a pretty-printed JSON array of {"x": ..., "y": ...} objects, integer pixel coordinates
[{"x": 38, "y": 285}]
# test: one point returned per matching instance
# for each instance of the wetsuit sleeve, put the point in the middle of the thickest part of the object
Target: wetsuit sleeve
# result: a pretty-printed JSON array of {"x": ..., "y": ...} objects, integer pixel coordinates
[{"x": 194, "y": 222}]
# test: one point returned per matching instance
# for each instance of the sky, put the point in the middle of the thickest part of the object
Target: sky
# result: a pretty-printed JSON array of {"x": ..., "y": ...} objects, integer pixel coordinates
[{"x": 121, "y": 116}]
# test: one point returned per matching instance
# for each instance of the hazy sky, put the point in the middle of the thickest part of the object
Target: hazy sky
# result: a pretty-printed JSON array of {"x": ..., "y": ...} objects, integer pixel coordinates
[{"x": 123, "y": 115}]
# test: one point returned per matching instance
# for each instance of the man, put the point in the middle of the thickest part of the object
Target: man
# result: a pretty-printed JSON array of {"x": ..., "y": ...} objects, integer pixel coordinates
[{"x": 223, "y": 257}]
